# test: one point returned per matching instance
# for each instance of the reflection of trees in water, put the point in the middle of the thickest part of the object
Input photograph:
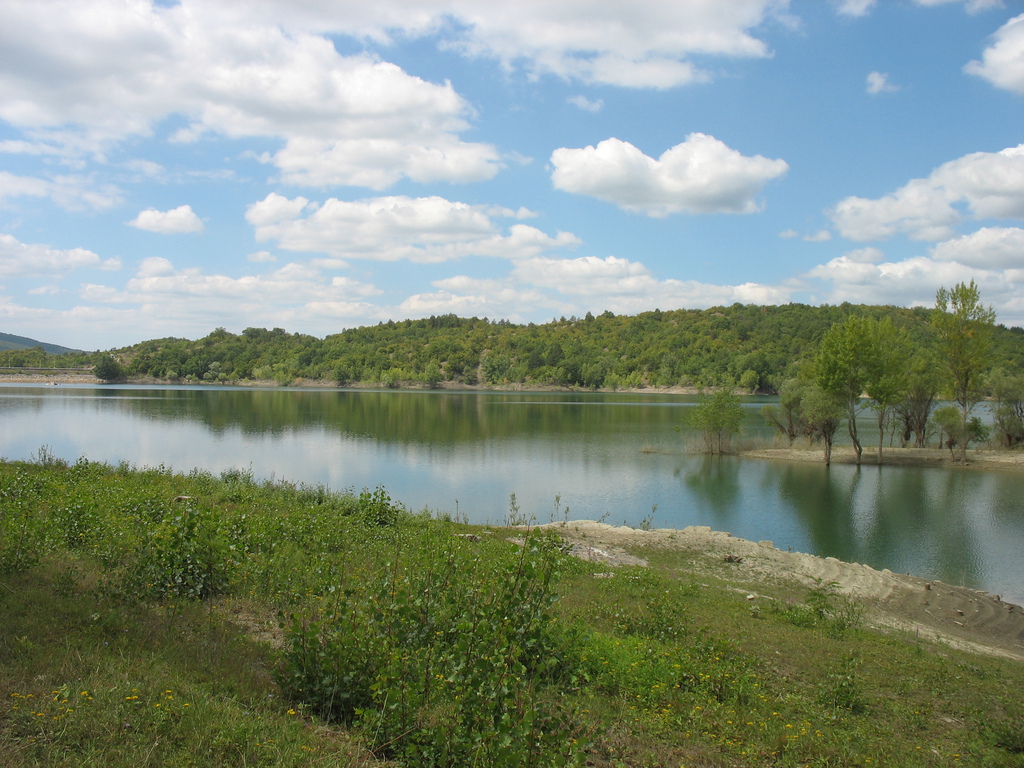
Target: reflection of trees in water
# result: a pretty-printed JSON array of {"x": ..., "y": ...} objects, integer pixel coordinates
[
  {"x": 820, "y": 497},
  {"x": 715, "y": 481},
  {"x": 435, "y": 418},
  {"x": 916, "y": 520}
]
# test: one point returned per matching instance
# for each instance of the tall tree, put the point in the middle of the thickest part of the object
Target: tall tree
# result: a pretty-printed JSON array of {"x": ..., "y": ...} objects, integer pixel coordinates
[
  {"x": 844, "y": 365},
  {"x": 887, "y": 381},
  {"x": 915, "y": 410},
  {"x": 964, "y": 328},
  {"x": 822, "y": 412}
]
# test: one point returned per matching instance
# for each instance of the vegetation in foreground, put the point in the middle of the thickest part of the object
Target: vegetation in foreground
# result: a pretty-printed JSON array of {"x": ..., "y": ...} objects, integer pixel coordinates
[{"x": 154, "y": 618}]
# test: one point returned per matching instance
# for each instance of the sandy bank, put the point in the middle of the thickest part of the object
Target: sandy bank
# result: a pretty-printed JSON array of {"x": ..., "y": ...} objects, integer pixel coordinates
[
  {"x": 959, "y": 616},
  {"x": 918, "y": 457}
]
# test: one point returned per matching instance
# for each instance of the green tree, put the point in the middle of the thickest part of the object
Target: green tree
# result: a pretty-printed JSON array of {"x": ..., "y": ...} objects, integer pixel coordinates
[
  {"x": 1008, "y": 423},
  {"x": 787, "y": 416},
  {"x": 718, "y": 416},
  {"x": 107, "y": 369},
  {"x": 951, "y": 431},
  {"x": 844, "y": 366},
  {"x": 822, "y": 412},
  {"x": 887, "y": 377},
  {"x": 964, "y": 328},
  {"x": 919, "y": 398}
]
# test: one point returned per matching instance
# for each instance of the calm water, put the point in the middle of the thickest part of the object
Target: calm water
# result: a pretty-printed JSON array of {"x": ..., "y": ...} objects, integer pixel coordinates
[{"x": 617, "y": 457}]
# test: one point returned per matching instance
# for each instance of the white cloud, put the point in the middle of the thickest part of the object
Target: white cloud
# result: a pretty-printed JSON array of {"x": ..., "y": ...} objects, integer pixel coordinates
[
  {"x": 878, "y": 82},
  {"x": 854, "y": 7},
  {"x": 909, "y": 282},
  {"x": 989, "y": 184},
  {"x": 639, "y": 45},
  {"x": 865, "y": 277},
  {"x": 863, "y": 7},
  {"x": 574, "y": 286},
  {"x": 701, "y": 175},
  {"x": 971, "y": 6},
  {"x": 72, "y": 192},
  {"x": 261, "y": 257},
  {"x": 586, "y": 104},
  {"x": 228, "y": 73},
  {"x": 988, "y": 248},
  {"x": 1002, "y": 62},
  {"x": 625, "y": 286},
  {"x": 162, "y": 299},
  {"x": 821, "y": 236},
  {"x": 177, "y": 221},
  {"x": 425, "y": 229},
  {"x": 864, "y": 256},
  {"x": 21, "y": 186},
  {"x": 19, "y": 259}
]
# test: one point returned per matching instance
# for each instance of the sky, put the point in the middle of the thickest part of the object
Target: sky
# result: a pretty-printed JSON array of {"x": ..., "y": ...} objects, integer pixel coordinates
[{"x": 168, "y": 168}]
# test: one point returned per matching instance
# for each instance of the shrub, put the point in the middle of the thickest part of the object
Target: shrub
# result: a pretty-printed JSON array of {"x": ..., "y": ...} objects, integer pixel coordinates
[{"x": 444, "y": 661}]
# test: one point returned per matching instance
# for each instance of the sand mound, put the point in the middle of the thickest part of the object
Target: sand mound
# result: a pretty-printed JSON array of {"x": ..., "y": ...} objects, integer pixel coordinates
[{"x": 962, "y": 617}]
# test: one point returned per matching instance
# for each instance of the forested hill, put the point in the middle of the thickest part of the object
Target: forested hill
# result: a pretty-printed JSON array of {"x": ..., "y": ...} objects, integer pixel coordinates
[
  {"x": 751, "y": 346},
  {"x": 9, "y": 341}
]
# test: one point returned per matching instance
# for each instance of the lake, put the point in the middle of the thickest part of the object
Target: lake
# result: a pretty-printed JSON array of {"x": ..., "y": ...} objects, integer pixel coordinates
[{"x": 616, "y": 457}]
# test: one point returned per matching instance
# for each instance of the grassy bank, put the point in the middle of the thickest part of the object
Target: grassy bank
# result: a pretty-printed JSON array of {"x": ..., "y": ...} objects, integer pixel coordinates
[{"x": 153, "y": 618}]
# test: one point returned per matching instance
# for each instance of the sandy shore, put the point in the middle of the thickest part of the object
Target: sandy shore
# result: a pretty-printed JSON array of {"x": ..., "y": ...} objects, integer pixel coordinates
[
  {"x": 918, "y": 457},
  {"x": 958, "y": 616}
]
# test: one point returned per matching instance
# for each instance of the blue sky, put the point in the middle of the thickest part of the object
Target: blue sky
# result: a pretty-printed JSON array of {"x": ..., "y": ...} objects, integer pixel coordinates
[{"x": 167, "y": 168}]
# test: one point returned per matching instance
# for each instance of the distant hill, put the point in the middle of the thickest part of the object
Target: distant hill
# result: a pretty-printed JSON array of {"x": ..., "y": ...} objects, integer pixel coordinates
[{"x": 9, "y": 341}]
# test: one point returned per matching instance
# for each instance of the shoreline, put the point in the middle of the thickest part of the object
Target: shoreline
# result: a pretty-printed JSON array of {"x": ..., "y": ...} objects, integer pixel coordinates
[
  {"x": 977, "y": 458},
  {"x": 960, "y": 616}
]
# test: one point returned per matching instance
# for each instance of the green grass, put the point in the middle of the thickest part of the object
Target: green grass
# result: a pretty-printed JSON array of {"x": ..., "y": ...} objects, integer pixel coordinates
[{"x": 153, "y": 618}]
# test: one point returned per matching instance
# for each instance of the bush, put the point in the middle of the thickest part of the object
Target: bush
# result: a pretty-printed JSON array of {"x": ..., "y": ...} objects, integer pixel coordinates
[
  {"x": 444, "y": 661},
  {"x": 181, "y": 554}
]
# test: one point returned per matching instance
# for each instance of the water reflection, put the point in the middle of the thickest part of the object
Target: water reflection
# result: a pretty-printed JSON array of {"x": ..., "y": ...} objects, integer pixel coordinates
[
  {"x": 614, "y": 455},
  {"x": 714, "y": 481}
]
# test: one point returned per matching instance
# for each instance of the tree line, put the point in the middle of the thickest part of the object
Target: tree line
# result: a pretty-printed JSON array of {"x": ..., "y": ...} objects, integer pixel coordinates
[{"x": 752, "y": 348}]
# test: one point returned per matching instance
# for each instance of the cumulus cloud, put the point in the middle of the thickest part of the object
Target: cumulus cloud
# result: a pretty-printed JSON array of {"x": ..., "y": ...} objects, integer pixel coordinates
[
  {"x": 701, "y": 175},
  {"x": 425, "y": 229},
  {"x": 340, "y": 117},
  {"x": 566, "y": 286},
  {"x": 177, "y": 221},
  {"x": 19, "y": 259},
  {"x": 627, "y": 286},
  {"x": 646, "y": 45},
  {"x": 911, "y": 282},
  {"x": 1002, "y": 63},
  {"x": 988, "y": 248},
  {"x": 162, "y": 298},
  {"x": 989, "y": 184},
  {"x": 878, "y": 82}
]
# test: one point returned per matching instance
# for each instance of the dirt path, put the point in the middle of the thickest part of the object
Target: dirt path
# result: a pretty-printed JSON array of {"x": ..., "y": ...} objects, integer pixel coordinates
[{"x": 962, "y": 617}]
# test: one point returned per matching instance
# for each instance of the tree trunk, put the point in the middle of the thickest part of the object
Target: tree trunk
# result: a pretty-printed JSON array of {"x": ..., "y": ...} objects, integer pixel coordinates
[{"x": 851, "y": 426}]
